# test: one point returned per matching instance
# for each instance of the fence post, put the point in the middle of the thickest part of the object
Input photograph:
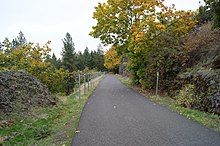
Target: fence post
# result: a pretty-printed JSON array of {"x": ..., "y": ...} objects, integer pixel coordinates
[
  {"x": 79, "y": 85},
  {"x": 88, "y": 81},
  {"x": 91, "y": 80},
  {"x": 84, "y": 84},
  {"x": 157, "y": 83}
]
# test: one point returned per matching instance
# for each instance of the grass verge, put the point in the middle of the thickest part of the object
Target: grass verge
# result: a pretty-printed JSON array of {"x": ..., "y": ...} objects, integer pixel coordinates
[
  {"x": 55, "y": 125},
  {"x": 207, "y": 119}
]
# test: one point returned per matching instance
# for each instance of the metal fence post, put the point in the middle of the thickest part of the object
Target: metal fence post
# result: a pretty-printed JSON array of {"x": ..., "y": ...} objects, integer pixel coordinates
[
  {"x": 88, "y": 81},
  {"x": 79, "y": 85},
  {"x": 91, "y": 80},
  {"x": 157, "y": 83},
  {"x": 84, "y": 84}
]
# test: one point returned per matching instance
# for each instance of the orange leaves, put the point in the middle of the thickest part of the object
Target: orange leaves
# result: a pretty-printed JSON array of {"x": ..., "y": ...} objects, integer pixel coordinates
[{"x": 112, "y": 59}]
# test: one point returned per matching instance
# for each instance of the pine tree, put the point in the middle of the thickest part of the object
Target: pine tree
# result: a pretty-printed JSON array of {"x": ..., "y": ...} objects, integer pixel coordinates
[
  {"x": 1, "y": 47},
  {"x": 69, "y": 61},
  {"x": 100, "y": 58},
  {"x": 68, "y": 53},
  {"x": 214, "y": 6},
  {"x": 87, "y": 58},
  {"x": 21, "y": 39},
  {"x": 80, "y": 61}
]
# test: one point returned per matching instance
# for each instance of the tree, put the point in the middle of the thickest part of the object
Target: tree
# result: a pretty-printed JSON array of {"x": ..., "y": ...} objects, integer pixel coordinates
[
  {"x": 1, "y": 47},
  {"x": 15, "y": 43},
  {"x": 214, "y": 6},
  {"x": 91, "y": 59},
  {"x": 140, "y": 28},
  {"x": 54, "y": 61},
  {"x": 80, "y": 61},
  {"x": 87, "y": 57},
  {"x": 129, "y": 24},
  {"x": 8, "y": 45},
  {"x": 21, "y": 39},
  {"x": 69, "y": 62},
  {"x": 204, "y": 15},
  {"x": 68, "y": 54},
  {"x": 100, "y": 58},
  {"x": 112, "y": 60},
  {"x": 32, "y": 59}
]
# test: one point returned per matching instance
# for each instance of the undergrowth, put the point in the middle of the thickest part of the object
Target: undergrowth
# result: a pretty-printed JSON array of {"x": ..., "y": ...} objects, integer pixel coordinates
[{"x": 55, "y": 125}]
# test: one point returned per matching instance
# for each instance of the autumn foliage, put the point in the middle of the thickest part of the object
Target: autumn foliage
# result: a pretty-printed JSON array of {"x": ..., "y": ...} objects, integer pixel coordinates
[
  {"x": 146, "y": 31},
  {"x": 112, "y": 59},
  {"x": 31, "y": 58},
  {"x": 155, "y": 38}
]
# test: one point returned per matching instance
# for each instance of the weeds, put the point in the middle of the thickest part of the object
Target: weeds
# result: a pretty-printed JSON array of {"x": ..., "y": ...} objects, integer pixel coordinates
[{"x": 53, "y": 125}]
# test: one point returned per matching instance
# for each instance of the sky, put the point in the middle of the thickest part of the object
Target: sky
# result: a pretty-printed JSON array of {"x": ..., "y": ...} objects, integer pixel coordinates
[{"x": 43, "y": 20}]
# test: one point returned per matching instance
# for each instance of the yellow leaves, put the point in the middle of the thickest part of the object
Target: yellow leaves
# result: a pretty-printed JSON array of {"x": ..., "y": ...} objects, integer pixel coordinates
[
  {"x": 112, "y": 59},
  {"x": 160, "y": 27},
  {"x": 140, "y": 20},
  {"x": 32, "y": 59}
]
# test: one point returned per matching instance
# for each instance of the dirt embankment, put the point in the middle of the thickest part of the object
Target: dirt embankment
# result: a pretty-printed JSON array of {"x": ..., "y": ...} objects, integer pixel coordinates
[{"x": 20, "y": 91}]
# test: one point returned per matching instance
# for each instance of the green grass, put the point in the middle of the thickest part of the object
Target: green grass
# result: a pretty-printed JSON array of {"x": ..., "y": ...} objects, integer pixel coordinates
[
  {"x": 55, "y": 125},
  {"x": 207, "y": 119}
]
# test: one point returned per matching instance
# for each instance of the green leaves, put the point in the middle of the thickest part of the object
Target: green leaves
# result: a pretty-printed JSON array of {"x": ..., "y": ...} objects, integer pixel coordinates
[{"x": 143, "y": 30}]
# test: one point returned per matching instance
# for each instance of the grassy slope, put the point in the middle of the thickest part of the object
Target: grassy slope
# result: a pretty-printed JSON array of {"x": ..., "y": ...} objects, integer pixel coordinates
[
  {"x": 210, "y": 120},
  {"x": 47, "y": 126}
]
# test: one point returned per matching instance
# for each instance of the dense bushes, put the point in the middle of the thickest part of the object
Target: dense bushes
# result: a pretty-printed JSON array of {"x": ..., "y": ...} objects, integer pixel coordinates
[
  {"x": 201, "y": 70},
  {"x": 203, "y": 92},
  {"x": 32, "y": 59}
]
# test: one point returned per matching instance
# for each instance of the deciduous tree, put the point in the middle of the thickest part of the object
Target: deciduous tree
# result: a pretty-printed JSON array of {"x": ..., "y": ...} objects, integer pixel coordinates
[
  {"x": 140, "y": 28},
  {"x": 112, "y": 60}
]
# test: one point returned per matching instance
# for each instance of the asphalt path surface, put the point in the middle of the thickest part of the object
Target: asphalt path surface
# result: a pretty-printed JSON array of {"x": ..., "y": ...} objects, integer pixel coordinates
[{"x": 115, "y": 115}]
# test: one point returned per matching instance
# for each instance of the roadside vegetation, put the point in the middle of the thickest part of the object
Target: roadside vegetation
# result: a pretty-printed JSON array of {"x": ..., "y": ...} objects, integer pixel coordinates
[
  {"x": 150, "y": 37},
  {"x": 38, "y": 99},
  {"x": 52, "y": 125},
  {"x": 146, "y": 37},
  {"x": 207, "y": 119}
]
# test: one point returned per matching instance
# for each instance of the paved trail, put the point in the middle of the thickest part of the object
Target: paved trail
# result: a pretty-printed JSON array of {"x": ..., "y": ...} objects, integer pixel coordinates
[{"x": 115, "y": 115}]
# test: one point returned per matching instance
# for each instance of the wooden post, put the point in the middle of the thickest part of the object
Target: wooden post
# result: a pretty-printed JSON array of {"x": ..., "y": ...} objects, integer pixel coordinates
[{"x": 157, "y": 83}]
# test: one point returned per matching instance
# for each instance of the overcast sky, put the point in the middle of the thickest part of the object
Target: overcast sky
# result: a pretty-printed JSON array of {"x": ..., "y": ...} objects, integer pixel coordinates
[{"x": 42, "y": 20}]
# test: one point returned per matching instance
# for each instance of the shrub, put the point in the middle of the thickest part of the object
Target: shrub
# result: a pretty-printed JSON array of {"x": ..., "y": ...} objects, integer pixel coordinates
[{"x": 187, "y": 97}]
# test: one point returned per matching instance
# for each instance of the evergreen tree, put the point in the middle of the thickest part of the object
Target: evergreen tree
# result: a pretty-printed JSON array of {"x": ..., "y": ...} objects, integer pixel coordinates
[
  {"x": 59, "y": 63},
  {"x": 100, "y": 58},
  {"x": 86, "y": 58},
  {"x": 80, "y": 61},
  {"x": 92, "y": 60},
  {"x": 6, "y": 46},
  {"x": 53, "y": 60},
  {"x": 204, "y": 15},
  {"x": 69, "y": 62},
  {"x": 1, "y": 47},
  {"x": 214, "y": 7},
  {"x": 15, "y": 43},
  {"x": 68, "y": 53},
  {"x": 21, "y": 39}
]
